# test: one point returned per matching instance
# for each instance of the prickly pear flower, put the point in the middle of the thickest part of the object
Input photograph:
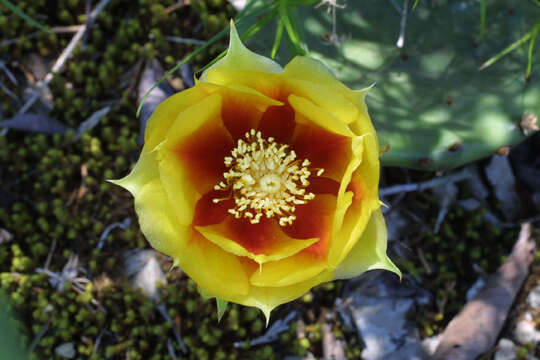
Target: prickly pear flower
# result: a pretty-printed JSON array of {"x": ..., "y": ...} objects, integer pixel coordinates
[{"x": 261, "y": 181}]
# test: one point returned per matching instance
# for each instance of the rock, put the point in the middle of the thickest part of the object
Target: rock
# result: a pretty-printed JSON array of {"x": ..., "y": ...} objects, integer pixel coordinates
[
  {"x": 65, "y": 350},
  {"x": 533, "y": 299},
  {"x": 144, "y": 271},
  {"x": 380, "y": 312},
  {"x": 501, "y": 177},
  {"x": 525, "y": 332},
  {"x": 430, "y": 344},
  {"x": 506, "y": 350},
  {"x": 525, "y": 159},
  {"x": 5, "y": 236},
  {"x": 475, "y": 184},
  {"x": 152, "y": 73}
]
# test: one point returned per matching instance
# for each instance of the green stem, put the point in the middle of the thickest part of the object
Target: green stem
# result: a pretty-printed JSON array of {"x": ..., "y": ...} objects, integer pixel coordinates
[
  {"x": 511, "y": 47},
  {"x": 482, "y": 19},
  {"x": 22, "y": 15}
]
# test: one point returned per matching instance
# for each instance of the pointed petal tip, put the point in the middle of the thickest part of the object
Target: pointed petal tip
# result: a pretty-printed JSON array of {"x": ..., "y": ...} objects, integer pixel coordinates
[
  {"x": 266, "y": 313},
  {"x": 221, "y": 308},
  {"x": 175, "y": 264},
  {"x": 114, "y": 181},
  {"x": 234, "y": 38}
]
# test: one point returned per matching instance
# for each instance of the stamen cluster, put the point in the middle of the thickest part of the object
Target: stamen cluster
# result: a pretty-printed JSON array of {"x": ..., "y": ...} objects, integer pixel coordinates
[{"x": 265, "y": 179}]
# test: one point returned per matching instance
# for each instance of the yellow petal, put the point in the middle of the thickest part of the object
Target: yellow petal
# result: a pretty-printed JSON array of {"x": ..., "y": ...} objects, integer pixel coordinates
[
  {"x": 369, "y": 253},
  {"x": 192, "y": 118},
  {"x": 344, "y": 198},
  {"x": 218, "y": 272},
  {"x": 178, "y": 188},
  {"x": 369, "y": 170},
  {"x": 166, "y": 113},
  {"x": 251, "y": 96},
  {"x": 279, "y": 245},
  {"x": 240, "y": 58},
  {"x": 158, "y": 221},
  {"x": 314, "y": 71},
  {"x": 144, "y": 171},
  {"x": 362, "y": 125},
  {"x": 265, "y": 83},
  {"x": 188, "y": 172},
  {"x": 363, "y": 175},
  {"x": 291, "y": 270},
  {"x": 268, "y": 298},
  {"x": 312, "y": 113},
  {"x": 309, "y": 69},
  {"x": 328, "y": 98}
]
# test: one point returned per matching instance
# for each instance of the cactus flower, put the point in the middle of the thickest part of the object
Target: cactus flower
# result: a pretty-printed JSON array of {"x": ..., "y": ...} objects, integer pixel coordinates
[{"x": 261, "y": 181}]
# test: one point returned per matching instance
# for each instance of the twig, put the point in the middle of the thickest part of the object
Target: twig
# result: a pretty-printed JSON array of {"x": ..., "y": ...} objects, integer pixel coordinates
[
  {"x": 41, "y": 334},
  {"x": 396, "y": 189},
  {"x": 332, "y": 347},
  {"x": 8, "y": 92},
  {"x": 423, "y": 260},
  {"x": 163, "y": 311},
  {"x": 170, "y": 348},
  {"x": 176, "y": 6},
  {"x": 60, "y": 62},
  {"x": 181, "y": 40},
  {"x": 122, "y": 225},
  {"x": 475, "y": 330},
  {"x": 57, "y": 30},
  {"x": 332, "y": 6},
  {"x": 98, "y": 341},
  {"x": 49, "y": 256},
  {"x": 401, "y": 40},
  {"x": 11, "y": 77}
]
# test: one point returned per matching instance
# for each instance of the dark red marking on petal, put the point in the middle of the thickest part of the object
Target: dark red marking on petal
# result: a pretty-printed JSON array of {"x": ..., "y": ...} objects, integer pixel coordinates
[
  {"x": 253, "y": 237},
  {"x": 314, "y": 220},
  {"x": 322, "y": 185},
  {"x": 208, "y": 213},
  {"x": 278, "y": 122},
  {"x": 323, "y": 149},
  {"x": 203, "y": 152},
  {"x": 239, "y": 116}
]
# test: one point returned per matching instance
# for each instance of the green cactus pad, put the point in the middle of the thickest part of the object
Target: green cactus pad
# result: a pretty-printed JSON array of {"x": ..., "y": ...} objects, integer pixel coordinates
[{"x": 431, "y": 104}]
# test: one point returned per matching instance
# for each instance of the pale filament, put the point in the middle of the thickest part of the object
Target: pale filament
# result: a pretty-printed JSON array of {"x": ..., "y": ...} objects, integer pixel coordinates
[{"x": 265, "y": 179}]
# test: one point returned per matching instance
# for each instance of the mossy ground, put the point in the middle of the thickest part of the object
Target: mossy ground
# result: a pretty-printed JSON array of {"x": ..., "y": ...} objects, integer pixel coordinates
[{"x": 53, "y": 190}]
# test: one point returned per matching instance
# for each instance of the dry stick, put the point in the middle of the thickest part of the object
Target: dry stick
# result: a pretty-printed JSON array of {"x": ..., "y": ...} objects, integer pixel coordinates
[
  {"x": 401, "y": 40},
  {"x": 459, "y": 176},
  {"x": 332, "y": 348},
  {"x": 60, "y": 62},
  {"x": 476, "y": 328},
  {"x": 56, "y": 30},
  {"x": 42, "y": 332}
]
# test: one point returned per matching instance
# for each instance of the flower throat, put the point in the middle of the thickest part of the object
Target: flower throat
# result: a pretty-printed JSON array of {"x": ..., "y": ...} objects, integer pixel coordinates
[{"x": 265, "y": 179}]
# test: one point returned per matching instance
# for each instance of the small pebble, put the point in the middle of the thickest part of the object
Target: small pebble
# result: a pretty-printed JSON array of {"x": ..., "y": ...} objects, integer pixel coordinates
[
  {"x": 533, "y": 299},
  {"x": 65, "y": 350},
  {"x": 526, "y": 333},
  {"x": 506, "y": 350}
]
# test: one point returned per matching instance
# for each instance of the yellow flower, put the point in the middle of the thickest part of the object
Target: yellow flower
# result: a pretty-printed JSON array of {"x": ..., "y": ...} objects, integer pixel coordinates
[{"x": 261, "y": 181}]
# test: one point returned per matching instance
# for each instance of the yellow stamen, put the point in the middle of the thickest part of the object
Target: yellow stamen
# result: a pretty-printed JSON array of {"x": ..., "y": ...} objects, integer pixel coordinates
[{"x": 265, "y": 178}]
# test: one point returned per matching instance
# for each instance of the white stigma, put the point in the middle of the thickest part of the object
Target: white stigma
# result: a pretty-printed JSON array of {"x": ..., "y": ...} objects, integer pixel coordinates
[{"x": 265, "y": 179}]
